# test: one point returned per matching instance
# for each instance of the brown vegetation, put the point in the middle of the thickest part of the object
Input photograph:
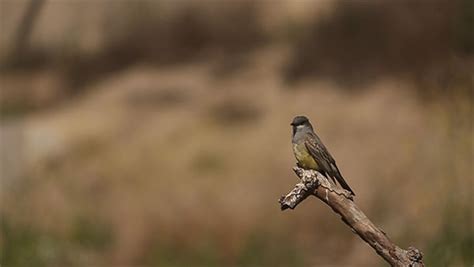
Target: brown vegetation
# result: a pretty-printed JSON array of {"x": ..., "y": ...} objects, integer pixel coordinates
[{"x": 114, "y": 150}]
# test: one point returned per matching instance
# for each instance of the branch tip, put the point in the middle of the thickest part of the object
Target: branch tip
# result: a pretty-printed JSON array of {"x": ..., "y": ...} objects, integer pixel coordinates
[{"x": 341, "y": 201}]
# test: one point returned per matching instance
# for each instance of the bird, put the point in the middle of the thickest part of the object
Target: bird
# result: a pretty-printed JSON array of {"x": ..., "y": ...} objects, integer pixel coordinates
[{"x": 311, "y": 153}]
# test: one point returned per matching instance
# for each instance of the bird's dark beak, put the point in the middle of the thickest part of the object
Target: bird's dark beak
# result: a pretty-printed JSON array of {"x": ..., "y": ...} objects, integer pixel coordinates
[{"x": 292, "y": 124}]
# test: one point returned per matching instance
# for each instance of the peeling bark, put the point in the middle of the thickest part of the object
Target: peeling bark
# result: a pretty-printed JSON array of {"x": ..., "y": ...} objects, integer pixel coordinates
[{"x": 341, "y": 202}]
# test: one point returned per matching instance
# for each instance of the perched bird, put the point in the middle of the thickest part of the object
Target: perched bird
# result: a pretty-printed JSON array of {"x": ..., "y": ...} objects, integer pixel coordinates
[{"x": 312, "y": 154}]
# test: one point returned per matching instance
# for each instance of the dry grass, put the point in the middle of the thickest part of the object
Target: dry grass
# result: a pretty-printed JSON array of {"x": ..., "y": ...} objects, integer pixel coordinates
[
  {"x": 120, "y": 177},
  {"x": 163, "y": 138}
]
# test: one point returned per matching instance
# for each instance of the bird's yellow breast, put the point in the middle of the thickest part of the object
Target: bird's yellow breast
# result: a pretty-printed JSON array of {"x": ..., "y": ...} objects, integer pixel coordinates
[{"x": 303, "y": 157}]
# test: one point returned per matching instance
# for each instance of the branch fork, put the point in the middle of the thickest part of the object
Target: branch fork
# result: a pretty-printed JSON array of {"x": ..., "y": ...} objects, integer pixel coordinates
[{"x": 341, "y": 202}]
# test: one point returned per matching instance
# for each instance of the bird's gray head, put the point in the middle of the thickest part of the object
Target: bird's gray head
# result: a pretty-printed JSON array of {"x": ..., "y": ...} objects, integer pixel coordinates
[{"x": 300, "y": 123}]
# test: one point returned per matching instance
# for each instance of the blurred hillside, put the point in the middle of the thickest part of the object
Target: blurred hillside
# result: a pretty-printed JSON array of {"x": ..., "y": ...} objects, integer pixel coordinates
[{"x": 156, "y": 133}]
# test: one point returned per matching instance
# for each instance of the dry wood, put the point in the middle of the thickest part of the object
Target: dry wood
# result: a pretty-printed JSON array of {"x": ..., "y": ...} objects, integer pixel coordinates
[{"x": 340, "y": 200}]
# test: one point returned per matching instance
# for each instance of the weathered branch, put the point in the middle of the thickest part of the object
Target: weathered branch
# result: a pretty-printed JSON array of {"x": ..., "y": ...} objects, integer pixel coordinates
[{"x": 340, "y": 200}]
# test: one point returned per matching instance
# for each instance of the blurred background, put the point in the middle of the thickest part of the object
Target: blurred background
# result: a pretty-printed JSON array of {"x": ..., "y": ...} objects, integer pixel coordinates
[{"x": 156, "y": 133}]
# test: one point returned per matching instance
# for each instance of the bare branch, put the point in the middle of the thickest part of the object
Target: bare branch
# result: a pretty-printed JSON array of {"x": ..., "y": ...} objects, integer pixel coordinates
[{"x": 340, "y": 200}]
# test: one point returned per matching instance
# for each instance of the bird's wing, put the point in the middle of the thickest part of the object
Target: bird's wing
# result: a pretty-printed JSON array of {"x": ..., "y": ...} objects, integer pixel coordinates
[
  {"x": 319, "y": 152},
  {"x": 327, "y": 163}
]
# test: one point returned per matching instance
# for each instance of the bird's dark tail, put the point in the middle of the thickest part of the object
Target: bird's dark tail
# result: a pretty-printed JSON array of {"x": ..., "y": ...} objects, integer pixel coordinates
[
  {"x": 341, "y": 180},
  {"x": 344, "y": 185}
]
